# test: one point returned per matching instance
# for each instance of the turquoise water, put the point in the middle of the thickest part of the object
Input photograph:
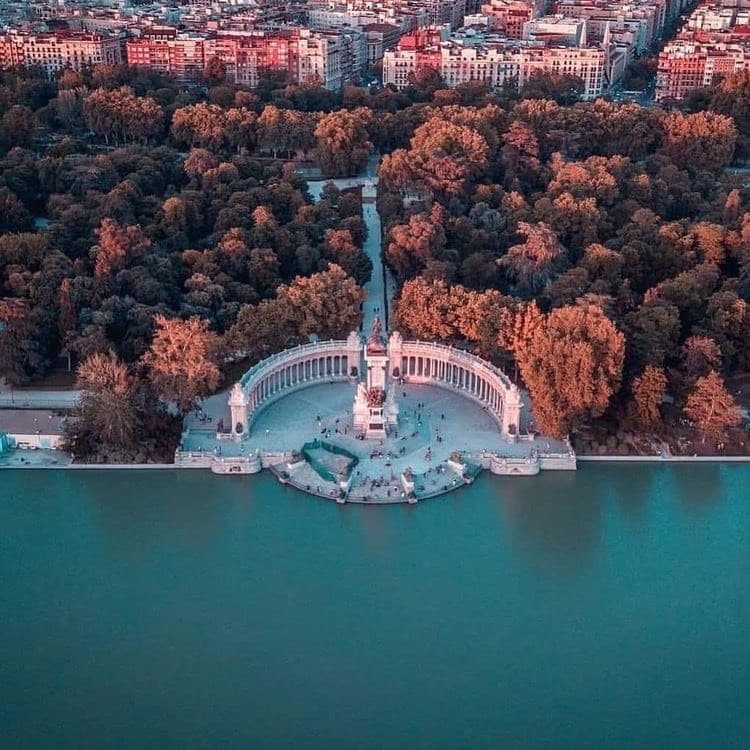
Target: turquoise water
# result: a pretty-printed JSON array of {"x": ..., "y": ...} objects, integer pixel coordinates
[{"x": 608, "y": 608}]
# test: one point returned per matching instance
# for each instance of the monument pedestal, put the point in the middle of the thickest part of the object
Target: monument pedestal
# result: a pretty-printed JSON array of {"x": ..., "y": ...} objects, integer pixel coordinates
[
  {"x": 375, "y": 408},
  {"x": 374, "y": 412}
]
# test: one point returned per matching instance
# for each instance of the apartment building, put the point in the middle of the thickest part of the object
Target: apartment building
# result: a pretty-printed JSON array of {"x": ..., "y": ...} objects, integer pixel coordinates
[
  {"x": 380, "y": 37},
  {"x": 508, "y": 17},
  {"x": 643, "y": 19},
  {"x": 556, "y": 30},
  {"x": 685, "y": 65},
  {"x": 714, "y": 43},
  {"x": 166, "y": 51},
  {"x": 331, "y": 57},
  {"x": 54, "y": 51},
  {"x": 495, "y": 61},
  {"x": 586, "y": 63}
]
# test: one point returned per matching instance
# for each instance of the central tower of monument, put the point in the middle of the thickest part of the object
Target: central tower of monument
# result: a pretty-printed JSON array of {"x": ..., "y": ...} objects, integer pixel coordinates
[{"x": 375, "y": 408}]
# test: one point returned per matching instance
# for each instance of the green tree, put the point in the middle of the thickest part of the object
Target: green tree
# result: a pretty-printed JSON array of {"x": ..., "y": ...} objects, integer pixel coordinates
[
  {"x": 711, "y": 407},
  {"x": 342, "y": 143},
  {"x": 182, "y": 361},
  {"x": 648, "y": 392},
  {"x": 534, "y": 262},
  {"x": 572, "y": 366}
]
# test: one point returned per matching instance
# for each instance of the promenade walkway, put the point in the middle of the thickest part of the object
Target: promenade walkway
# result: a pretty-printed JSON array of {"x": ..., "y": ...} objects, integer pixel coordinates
[
  {"x": 38, "y": 399},
  {"x": 380, "y": 288}
]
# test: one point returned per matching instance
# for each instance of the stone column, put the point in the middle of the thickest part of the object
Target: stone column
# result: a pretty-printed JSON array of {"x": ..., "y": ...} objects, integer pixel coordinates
[
  {"x": 354, "y": 354},
  {"x": 395, "y": 353},
  {"x": 238, "y": 410},
  {"x": 511, "y": 416}
]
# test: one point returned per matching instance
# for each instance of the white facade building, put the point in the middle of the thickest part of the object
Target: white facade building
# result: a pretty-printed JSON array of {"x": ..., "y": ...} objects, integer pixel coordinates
[{"x": 497, "y": 64}]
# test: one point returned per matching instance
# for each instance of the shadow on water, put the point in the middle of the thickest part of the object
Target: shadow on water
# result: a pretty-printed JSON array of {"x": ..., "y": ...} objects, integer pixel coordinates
[
  {"x": 632, "y": 486},
  {"x": 554, "y": 521},
  {"x": 698, "y": 487},
  {"x": 168, "y": 512}
]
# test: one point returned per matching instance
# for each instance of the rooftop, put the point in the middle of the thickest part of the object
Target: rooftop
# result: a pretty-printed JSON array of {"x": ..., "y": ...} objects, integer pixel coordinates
[{"x": 31, "y": 421}]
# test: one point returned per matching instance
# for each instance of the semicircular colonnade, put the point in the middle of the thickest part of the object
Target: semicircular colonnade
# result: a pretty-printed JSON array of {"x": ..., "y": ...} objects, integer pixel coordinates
[
  {"x": 462, "y": 372},
  {"x": 414, "y": 361}
]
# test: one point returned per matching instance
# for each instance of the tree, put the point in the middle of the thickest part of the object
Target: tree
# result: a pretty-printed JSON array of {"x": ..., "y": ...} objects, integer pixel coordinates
[
  {"x": 17, "y": 126},
  {"x": 121, "y": 115},
  {"x": 447, "y": 156},
  {"x": 711, "y": 407},
  {"x": 240, "y": 129},
  {"x": 342, "y": 145},
  {"x": 263, "y": 329},
  {"x": 702, "y": 140},
  {"x": 572, "y": 366},
  {"x": 653, "y": 332},
  {"x": 520, "y": 155},
  {"x": 199, "y": 161},
  {"x": 182, "y": 361},
  {"x": 209, "y": 126},
  {"x": 479, "y": 318},
  {"x": 520, "y": 323},
  {"x": 326, "y": 304},
  {"x": 534, "y": 262},
  {"x": 21, "y": 354},
  {"x": 428, "y": 309},
  {"x": 263, "y": 270},
  {"x": 648, "y": 391},
  {"x": 562, "y": 88},
  {"x": 699, "y": 355},
  {"x": 725, "y": 322},
  {"x": 215, "y": 71},
  {"x": 13, "y": 214},
  {"x": 117, "y": 245},
  {"x": 343, "y": 252},
  {"x": 412, "y": 245},
  {"x": 107, "y": 407},
  {"x": 273, "y": 130}
]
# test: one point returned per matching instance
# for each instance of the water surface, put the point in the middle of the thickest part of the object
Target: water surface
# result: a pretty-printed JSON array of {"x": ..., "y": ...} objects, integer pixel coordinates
[{"x": 608, "y": 608}]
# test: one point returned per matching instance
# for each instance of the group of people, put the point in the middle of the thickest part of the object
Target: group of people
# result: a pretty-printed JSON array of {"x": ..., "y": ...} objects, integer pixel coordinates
[{"x": 326, "y": 431}]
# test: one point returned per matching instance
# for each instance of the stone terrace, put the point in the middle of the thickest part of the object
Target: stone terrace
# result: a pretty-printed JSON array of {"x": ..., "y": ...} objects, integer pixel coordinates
[{"x": 425, "y": 438}]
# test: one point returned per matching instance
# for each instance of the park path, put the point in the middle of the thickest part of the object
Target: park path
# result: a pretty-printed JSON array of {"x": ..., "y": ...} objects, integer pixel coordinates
[
  {"x": 37, "y": 399},
  {"x": 381, "y": 286}
]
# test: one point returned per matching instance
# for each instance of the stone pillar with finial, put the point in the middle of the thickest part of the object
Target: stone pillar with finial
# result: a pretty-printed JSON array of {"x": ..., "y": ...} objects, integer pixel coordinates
[
  {"x": 238, "y": 408},
  {"x": 354, "y": 354},
  {"x": 511, "y": 415},
  {"x": 395, "y": 354}
]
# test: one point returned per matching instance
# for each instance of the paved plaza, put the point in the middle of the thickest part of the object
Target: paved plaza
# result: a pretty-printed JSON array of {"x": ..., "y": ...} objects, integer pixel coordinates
[
  {"x": 433, "y": 423},
  {"x": 25, "y": 459}
]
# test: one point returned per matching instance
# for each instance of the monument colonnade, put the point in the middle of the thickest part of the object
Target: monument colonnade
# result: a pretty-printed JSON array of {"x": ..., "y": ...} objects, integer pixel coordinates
[
  {"x": 461, "y": 371},
  {"x": 412, "y": 361},
  {"x": 290, "y": 370}
]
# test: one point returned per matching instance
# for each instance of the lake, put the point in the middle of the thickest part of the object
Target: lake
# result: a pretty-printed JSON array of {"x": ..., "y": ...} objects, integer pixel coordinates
[{"x": 604, "y": 608}]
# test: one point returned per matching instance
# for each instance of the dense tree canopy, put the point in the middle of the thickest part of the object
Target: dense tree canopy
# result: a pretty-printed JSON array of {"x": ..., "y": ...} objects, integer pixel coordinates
[{"x": 512, "y": 223}]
